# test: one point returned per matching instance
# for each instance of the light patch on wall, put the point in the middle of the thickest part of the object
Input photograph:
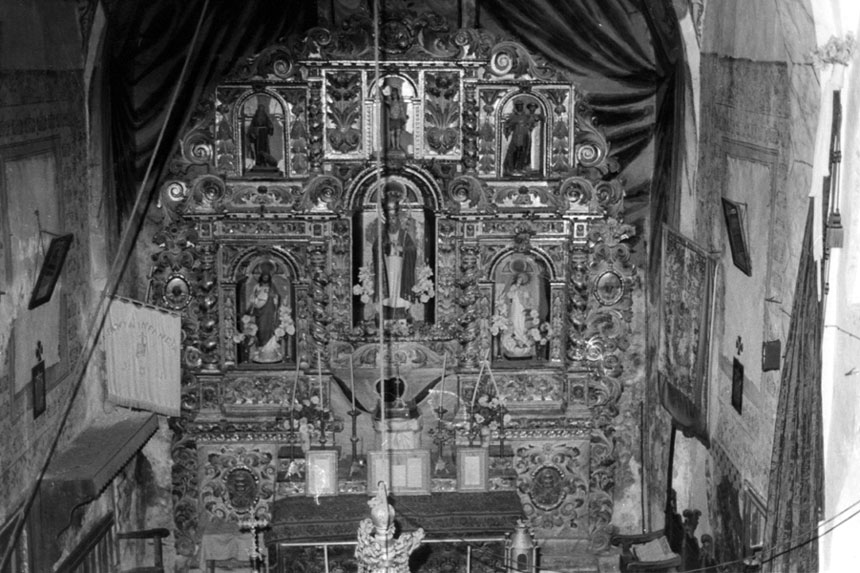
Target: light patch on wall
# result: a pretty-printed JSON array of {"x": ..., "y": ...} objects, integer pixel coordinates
[{"x": 31, "y": 186}]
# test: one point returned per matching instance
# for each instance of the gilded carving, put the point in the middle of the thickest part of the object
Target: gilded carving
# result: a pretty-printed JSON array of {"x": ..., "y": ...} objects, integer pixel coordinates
[
  {"x": 496, "y": 215},
  {"x": 553, "y": 485}
]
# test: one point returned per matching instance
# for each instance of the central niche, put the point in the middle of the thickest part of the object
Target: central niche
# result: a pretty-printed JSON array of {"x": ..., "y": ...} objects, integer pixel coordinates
[{"x": 394, "y": 222}]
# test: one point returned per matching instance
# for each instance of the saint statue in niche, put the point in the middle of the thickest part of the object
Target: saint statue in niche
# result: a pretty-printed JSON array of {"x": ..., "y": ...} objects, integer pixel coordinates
[
  {"x": 395, "y": 273},
  {"x": 394, "y": 124},
  {"x": 395, "y": 119},
  {"x": 399, "y": 254},
  {"x": 263, "y": 133},
  {"x": 520, "y": 318},
  {"x": 519, "y": 129},
  {"x": 267, "y": 320}
]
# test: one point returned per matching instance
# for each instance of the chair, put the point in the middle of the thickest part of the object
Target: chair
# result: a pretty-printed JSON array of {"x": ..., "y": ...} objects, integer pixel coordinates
[{"x": 156, "y": 535}]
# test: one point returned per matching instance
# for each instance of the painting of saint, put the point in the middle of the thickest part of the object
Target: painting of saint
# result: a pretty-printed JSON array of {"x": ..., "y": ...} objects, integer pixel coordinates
[
  {"x": 263, "y": 119},
  {"x": 522, "y": 156},
  {"x": 266, "y": 322},
  {"x": 520, "y": 321}
]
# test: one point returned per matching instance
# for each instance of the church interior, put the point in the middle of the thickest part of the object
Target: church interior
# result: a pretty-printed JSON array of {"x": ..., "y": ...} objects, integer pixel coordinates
[{"x": 318, "y": 286}]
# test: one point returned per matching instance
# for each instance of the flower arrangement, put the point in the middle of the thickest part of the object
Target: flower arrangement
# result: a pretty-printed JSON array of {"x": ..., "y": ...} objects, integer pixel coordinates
[
  {"x": 835, "y": 51},
  {"x": 364, "y": 288},
  {"x": 537, "y": 331},
  {"x": 307, "y": 414},
  {"x": 249, "y": 325},
  {"x": 487, "y": 413},
  {"x": 423, "y": 288}
]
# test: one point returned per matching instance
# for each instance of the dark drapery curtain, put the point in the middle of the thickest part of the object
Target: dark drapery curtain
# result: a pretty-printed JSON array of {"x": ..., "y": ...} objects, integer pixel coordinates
[
  {"x": 626, "y": 56},
  {"x": 797, "y": 466},
  {"x": 147, "y": 45}
]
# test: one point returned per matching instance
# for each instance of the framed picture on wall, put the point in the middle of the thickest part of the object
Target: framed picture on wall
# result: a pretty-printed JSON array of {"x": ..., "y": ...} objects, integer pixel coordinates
[
  {"x": 737, "y": 385},
  {"x": 755, "y": 517},
  {"x": 38, "y": 381},
  {"x": 737, "y": 236},
  {"x": 52, "y": 266}
]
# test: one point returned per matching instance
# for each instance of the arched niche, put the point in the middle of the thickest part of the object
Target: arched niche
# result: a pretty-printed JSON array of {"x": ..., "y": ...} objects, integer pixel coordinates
[
  {"x": 261, "y": 121},
  {"x": 522, "y": 313},
  {"x": 523, "y": 129},
  {"x": 396, "y": 211},
  {"x": 265, "y": 309},
  {"x": 396, "y": 124}
]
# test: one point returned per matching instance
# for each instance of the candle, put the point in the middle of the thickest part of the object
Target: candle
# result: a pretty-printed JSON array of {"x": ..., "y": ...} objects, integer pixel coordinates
[
  {"x": 352, "y": 382},
  {"x": 442, "y": 391},
  {"x": 319, "y": 374}
]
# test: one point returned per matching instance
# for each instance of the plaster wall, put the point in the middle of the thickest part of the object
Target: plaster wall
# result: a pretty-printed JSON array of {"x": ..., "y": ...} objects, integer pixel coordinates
[
  {"x": 41, "y": 115},
  {"x": 758, "y": 115}
]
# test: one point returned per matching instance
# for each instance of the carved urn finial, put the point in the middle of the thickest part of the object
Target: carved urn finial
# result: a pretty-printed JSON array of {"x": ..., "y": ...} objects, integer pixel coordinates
[
  {"x": 377, "y": 550},
  {"x": 381, "y": 512}
]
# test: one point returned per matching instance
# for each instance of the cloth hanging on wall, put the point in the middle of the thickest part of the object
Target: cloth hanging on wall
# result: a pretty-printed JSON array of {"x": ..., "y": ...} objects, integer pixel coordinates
[
  {"x": 797, "y": 466},
  {"x": 142, "y": 347}
]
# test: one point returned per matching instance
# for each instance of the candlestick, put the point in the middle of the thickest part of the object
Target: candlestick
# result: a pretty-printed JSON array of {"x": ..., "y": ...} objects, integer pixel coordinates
[
  {"x": 322, "y": 401},
  {"x": 442, "y": 391},
  {"x": 352, "y": 381}
]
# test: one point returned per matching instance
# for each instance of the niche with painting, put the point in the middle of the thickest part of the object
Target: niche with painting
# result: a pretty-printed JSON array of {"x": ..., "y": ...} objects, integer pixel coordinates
[
  {"x": 265, "y": 333},
  {"x": 520, "y": 323}
]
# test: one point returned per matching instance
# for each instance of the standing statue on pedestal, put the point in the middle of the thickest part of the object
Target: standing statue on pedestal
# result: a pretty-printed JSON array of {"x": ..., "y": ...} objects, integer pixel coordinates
[
  {"x": 394, "y": 119},
  {"x": 518, "y": 129},
  {"x": 399, "y": 254}
]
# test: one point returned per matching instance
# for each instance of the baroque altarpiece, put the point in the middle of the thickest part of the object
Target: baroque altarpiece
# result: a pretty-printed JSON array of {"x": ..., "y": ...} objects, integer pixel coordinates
[{"x": 437, "y": 234}]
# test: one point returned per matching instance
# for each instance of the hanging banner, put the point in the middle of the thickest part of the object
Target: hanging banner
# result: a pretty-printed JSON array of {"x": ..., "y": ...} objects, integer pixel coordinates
[
  {"x": 142, "y": 345},
  {"x": 687, "y": 275}
]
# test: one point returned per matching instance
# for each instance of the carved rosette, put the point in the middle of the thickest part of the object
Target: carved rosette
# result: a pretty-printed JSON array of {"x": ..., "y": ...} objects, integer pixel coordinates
[
  {"x": 552, "y": 482},
  {"x": 447, "y": 309},
  {"x": 299, "y": 137},
  {"x": 341, "y": 273},
  {"x": 343, "y": 113},
  {"x": 470, "y": 129},
  {"x": 207, "y": 308},
  {"x": 316, "y": 122},
  {"x": 185, "y": 492},
  {"x": 237, "y": 482},
  {"x": 442, "y": 113},
  {"x": 469, "y": 294},
  {"x": 601, "y": 484},
  {"x": 318, "y": 301},
  {"x": 487, "y": 133}
]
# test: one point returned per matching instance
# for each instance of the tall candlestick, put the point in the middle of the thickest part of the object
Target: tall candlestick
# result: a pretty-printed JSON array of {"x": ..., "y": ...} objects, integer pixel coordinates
[
  {"x": 319, "y": 374},
  {"x": 442, "y": 391},
  {"x": 352, "y": 381}
]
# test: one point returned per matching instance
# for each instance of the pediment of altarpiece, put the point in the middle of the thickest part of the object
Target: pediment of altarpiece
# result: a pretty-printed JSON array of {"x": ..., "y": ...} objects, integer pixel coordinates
[{"x": 475, "y": 166}]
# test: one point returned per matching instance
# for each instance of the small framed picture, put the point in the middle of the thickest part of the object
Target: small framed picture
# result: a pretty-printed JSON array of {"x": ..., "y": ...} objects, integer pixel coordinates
[
  {"x": 51, "y": 269},
  {"x": 404, "y": 471},
  {"x": 38, "y": 380},
  {"x": 755, "y": 517},
  {"x": 321, "y": 473},
  {"x": 472, "y": 464},
  {"x": 737, "y": 385}
]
